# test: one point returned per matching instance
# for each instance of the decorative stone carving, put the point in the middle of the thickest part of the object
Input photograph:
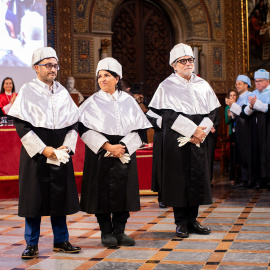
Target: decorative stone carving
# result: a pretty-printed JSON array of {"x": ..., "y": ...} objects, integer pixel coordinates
[
  {"x": 51, "y": 23},
  {"x": 219, "y": 87},
  {"x": 216, "y": 12},
  {"x": 217, "y": 62},
  {"x": 103, "y": 14},
  {"x": 83, "y": 56},
  {"x": 200, "y": 30},
  {"x": 81, "y": 13},
  {"x": 105, "y": 43},
  {"x": 86, "y": 86},
  {"x": 80, "y": 26},
  {"x": 184, "y": 8},
  {"x": 190, "y": 4},
  {"x": 65, "y": 41},
  {"x": 197, "y": 14},
  {"x": 101, "y": 23}
]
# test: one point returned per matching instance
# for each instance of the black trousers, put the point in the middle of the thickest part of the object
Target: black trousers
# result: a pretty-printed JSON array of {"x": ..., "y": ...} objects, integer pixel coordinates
[
  {"x": 111, "y": 217},
  {"x": 183, "y": 215}
]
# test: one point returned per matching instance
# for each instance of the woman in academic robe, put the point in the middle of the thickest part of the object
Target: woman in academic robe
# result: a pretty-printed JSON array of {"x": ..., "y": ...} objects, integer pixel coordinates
[{"x": 110, "y": 125}]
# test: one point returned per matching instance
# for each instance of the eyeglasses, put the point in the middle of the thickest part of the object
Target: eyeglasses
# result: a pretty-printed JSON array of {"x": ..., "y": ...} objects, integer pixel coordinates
[
  {"x": 50, "y": 66},
  {"x": 184, "y": 61},
  {"x": 259, "y": 81}
]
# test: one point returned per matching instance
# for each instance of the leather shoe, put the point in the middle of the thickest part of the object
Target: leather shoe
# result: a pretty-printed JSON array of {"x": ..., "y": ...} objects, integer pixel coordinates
[
  {"x": 182, "y": 231},
  {"x": 162, "y": 205},
  {"x": 30, "y": 252},
  {"x": 66, "y": 247},
  {"x": 196, "y": 227}
]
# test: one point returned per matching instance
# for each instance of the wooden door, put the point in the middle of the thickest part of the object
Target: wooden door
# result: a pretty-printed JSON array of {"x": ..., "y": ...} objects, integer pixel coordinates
[{"x": 141, "y": 42}]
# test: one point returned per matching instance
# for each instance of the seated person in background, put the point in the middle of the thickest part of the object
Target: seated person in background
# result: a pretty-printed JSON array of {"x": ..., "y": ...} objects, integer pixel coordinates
[
  {"x": 72, "y": 90},
  {"x": 137, "y": 94},
  {"x": 7, "y": 95}
]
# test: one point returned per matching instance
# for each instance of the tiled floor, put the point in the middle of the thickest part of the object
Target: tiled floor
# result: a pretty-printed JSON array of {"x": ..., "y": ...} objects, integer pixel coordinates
[{"x": 240, "y": 238}]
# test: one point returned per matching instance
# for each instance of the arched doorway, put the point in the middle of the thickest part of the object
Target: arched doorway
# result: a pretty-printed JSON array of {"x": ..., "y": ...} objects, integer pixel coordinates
[{"x": 141, "y": 42}]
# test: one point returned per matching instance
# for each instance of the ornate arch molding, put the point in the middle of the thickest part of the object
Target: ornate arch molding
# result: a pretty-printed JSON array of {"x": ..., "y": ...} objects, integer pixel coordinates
[
  {"x": 81, "y": 15},
  {"x": 215, "y": 11},
  {"x": 193, "y": 16}
]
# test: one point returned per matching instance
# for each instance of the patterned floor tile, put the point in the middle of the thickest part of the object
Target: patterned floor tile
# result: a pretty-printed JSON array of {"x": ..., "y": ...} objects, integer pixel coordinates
[
  {"x": 247, "y": 257},
  {"x": 240, "y": 238}
]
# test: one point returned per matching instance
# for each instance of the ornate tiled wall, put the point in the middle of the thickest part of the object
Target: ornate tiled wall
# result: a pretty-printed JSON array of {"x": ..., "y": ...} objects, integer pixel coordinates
[{"x": 73, "y": 26}]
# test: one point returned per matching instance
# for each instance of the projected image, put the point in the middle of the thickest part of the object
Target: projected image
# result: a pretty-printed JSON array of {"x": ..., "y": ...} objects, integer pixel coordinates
[{"x": 22, "y": 31}]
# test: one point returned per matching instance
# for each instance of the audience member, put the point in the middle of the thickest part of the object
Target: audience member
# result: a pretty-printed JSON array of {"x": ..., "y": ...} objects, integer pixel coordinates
[
  {"x": 257, "y": 109},
  {"x": 7, "y": 95},
  {"x": 229, "y": 120},
  {"x": 241, "y": 129}
]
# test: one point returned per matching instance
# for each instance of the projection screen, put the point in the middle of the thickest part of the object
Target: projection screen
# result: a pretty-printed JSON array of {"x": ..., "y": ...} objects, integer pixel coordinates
[{"x": 22, "y": 31}]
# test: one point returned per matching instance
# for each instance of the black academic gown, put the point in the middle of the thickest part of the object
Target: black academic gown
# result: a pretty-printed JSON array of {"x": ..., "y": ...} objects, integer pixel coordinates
[
  {"x": 157, "y": 155},
  {"x": 212, "y": 141},
  {"x": 108, "y": 185},
  {"x": 242, "y": 139},
  {"x": 186, "y": 179},
  {"x": 45, "y": 189},
  {"x": 258, "y": 151}
]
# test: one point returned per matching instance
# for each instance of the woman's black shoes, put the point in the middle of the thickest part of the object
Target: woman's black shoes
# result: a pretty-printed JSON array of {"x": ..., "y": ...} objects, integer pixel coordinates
[{"x": 108, "y": 240}]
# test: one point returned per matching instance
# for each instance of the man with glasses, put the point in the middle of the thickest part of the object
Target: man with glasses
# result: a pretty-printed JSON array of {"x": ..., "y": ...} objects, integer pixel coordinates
[
  {"x": 257, "y": 108},
  {"x": 187, "y": 105},
  {"x": 242, "y": 125},
  {"x": 46, "y": 121}
]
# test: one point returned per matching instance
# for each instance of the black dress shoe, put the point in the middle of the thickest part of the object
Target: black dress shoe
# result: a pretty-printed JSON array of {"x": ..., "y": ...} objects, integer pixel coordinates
[
  {"x": 30, "y": 252},
  {"x": 182, "y": 231},
  {"x": 66, "y": 247},
  {"x": 196, "y": 227},
  {"x": 162, "y": 205}
]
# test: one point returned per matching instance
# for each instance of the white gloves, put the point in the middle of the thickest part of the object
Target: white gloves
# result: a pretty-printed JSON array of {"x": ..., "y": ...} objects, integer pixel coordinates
[
  {"x": 183, "y": 140},
  {"x": 206, "y": 122},
  {"x": 61, "y": 156},
  {"x": 124, "y": 159}
]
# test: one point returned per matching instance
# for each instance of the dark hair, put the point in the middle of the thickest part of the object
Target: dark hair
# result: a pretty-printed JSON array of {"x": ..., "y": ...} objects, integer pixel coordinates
[
  {"x": 2, "y": 87},
  {"x": 119, "y": 85},
  {"x": 232, "y": 90}
]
